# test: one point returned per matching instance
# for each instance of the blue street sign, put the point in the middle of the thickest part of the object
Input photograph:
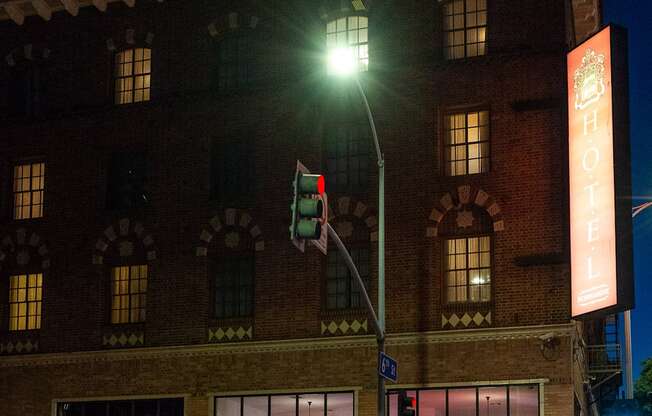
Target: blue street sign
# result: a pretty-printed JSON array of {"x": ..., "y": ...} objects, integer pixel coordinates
[{"x": 388, "y": 367}]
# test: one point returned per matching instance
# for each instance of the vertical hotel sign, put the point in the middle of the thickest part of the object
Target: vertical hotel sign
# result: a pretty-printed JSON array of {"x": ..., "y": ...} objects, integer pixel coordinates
[{"x": 595, "y": 212}]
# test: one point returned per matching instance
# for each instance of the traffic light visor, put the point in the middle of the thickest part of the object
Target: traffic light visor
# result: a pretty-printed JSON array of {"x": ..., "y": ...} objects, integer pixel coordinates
[{"x": 312, "y": 184}]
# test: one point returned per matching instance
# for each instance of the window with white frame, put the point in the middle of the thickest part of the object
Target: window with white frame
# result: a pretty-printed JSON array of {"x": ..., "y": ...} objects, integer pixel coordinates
[
  {"x": 351, "y": 33},
  {"x": 464, "y": 28},
  {"x": 28, "y": 185},
  {"x": 466, "y": 143},
  {"x": 468, "y": 269},
  {"x": 132, "y": 75}
]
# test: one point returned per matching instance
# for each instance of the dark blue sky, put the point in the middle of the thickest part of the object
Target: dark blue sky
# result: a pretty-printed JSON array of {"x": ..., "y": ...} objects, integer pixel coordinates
[{"x": 636, "y": 16}]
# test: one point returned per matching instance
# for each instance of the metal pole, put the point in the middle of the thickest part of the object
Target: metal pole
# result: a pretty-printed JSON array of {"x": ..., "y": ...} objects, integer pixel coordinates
[
  {"x": 381, "y": 242},
  {"x": 629, "y": 384}
]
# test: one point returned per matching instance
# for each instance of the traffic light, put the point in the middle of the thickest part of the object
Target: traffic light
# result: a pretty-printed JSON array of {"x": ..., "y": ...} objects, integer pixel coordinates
[
  {"x": 308, "y": 208},
  {"x": 406, "y": 405}
]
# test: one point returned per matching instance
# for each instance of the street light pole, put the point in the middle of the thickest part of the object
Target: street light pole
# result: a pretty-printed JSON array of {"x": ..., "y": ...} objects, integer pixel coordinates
[
  {"x": 343, "y": 62},
  {"x": 381, "y": 244}
]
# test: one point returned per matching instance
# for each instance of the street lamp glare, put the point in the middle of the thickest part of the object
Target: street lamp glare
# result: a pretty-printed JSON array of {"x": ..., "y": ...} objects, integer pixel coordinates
[{"x": 341, "y": 61}]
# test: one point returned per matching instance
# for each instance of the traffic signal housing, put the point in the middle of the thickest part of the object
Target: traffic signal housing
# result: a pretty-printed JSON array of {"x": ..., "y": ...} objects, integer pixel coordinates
[
  {"x": 407, "y": 405},
  {"x": 309, "y": 210}
]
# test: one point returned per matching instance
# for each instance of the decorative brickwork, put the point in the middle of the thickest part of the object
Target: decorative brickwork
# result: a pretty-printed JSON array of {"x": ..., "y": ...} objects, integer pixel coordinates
[
  {"x": 24, "y": 248},
  {"x": 351, "y": 207},
  {"x": 125, "y": 238},
  {"x": 231, "y": 219},
  {"x": 459, "y": 198}
]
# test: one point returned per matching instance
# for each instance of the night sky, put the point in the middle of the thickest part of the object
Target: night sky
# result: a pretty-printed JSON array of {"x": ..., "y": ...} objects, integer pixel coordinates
[{"x": 636, "y": 16}]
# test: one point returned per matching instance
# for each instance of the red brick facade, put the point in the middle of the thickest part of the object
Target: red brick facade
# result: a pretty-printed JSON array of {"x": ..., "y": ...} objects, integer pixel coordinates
[{"x": 291, "y": 342}]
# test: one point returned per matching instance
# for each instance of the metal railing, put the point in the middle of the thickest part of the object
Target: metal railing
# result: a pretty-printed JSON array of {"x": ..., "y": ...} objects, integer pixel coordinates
[{"x": 604, "y": 358}]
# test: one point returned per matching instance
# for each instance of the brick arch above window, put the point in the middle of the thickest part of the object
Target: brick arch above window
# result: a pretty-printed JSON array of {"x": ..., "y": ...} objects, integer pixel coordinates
[
  {"x": 460, "y": 200},
  {"x": 228, "y": 226},
  {"x": 232, "y": 21},
  {"x": 345, "y": 209},
  {"x": 124, "y": 239},
  {"x": 131, "y": 39},
  {"x": 27, "y": 53},
  {"x": 23, "y": 249}
]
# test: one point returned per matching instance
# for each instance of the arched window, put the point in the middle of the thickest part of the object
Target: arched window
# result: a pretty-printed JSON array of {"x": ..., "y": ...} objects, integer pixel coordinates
[
  {"x": 467, "y": 260},
  {"x": 235, "y": 66},
  {"x": 342, "y": 292},
  {"x": 232, "y": 275},
  {"x": 350, "y": 32},
  {"x": 132, "y": 75}
]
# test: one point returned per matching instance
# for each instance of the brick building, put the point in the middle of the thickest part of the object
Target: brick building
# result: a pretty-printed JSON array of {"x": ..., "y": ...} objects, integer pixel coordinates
[{"x": 146, "y": 155}]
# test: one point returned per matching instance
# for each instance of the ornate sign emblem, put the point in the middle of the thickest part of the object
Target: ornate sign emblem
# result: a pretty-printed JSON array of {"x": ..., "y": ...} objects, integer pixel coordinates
[{"x": 589, "y": 80}]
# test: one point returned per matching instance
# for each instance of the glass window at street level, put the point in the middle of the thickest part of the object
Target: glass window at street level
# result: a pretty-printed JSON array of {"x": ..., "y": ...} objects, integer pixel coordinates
[
  {"x": 28, "y": 188},
  {"x": 25, "y": 301},
  {"x": 140, "y": 407},
  {"x": 466, "y": 143},
  {"x": 464, "y": 28},
  {"x": 350, "y": 32},
  {"x": 514, "y": 400},
  {"x": 132, "y": 75},
  {"x": 492, "y": 401},
  {"x": 468, "y": 269},
  {"x": 287, "y": 404},
  {"x": 128, "y": 294}
]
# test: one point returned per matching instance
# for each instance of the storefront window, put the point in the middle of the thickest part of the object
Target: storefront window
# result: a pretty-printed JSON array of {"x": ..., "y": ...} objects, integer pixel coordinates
[
  {"x": 522, "y": 400},
  {"x": 294, "y": 404}
]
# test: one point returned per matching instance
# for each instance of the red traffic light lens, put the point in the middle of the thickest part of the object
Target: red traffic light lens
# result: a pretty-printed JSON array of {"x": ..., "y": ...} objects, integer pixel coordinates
[
  {"x": 321, "y": 185},
  {"x": 413, "y": 402}
]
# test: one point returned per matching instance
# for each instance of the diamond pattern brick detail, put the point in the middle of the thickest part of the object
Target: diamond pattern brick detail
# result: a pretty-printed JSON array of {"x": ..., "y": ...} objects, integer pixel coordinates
[
  {"x": 444, "y": 320},
  {"x": 488, "y": 318},
  {"x": 240, "y": 332},
  {"x": 344, "y": 326},
  {"x": 466, "y": 319},
  {"x": 219, "y": 334},
  {"x": 332, "y": 327},
  {"x": 122, "y": 339},
  {"x": 229, "y": 333},
  {"x": 355, "y": 326},
  {"x": 478, "y": 319},
  {"x": 113, "y": 340},
  {"x": 250, "y": 333},
  {"x": 133, "y": 339},
  {"x": 323, "y": 327},
  {"x": 454, "y": 320}
]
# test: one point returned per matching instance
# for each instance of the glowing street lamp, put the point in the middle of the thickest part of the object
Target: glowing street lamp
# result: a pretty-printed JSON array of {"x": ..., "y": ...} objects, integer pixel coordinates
[{"x": 341, "y": 62}]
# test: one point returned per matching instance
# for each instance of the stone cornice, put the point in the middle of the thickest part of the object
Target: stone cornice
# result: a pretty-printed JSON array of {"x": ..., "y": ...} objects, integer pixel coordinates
[{"x": 325, "y": 343}]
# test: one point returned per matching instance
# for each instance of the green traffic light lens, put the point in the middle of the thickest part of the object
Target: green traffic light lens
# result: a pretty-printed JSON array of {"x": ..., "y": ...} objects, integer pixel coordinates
[
  {"x": 309, "y": 230},
  {"x": 313, "y": 208}
]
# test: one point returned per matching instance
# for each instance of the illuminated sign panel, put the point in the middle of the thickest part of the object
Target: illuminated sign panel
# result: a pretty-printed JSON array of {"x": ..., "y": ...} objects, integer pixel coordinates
[{"x": 598, "y": 253}]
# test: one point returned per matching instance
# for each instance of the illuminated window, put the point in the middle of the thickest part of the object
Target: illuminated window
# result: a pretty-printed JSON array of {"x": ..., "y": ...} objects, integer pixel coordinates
[
  {"x": 128, "y": 294},
  {"x": 465, "y": 28},
  {"x": 466, "y": 143},
  {"x": 468, "y": 269},
  {"x": 350, "y": 32},
  {"x": 347, "y": 157},
  {"x": 132, "y": 75},
  {"x": 286, "y": 404},
  {"x": 25, "y": 297},
  {"x": 233, "y": 287},
  {"x": 512, "y": 400},
  {"x": 29, "y": 182}
]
